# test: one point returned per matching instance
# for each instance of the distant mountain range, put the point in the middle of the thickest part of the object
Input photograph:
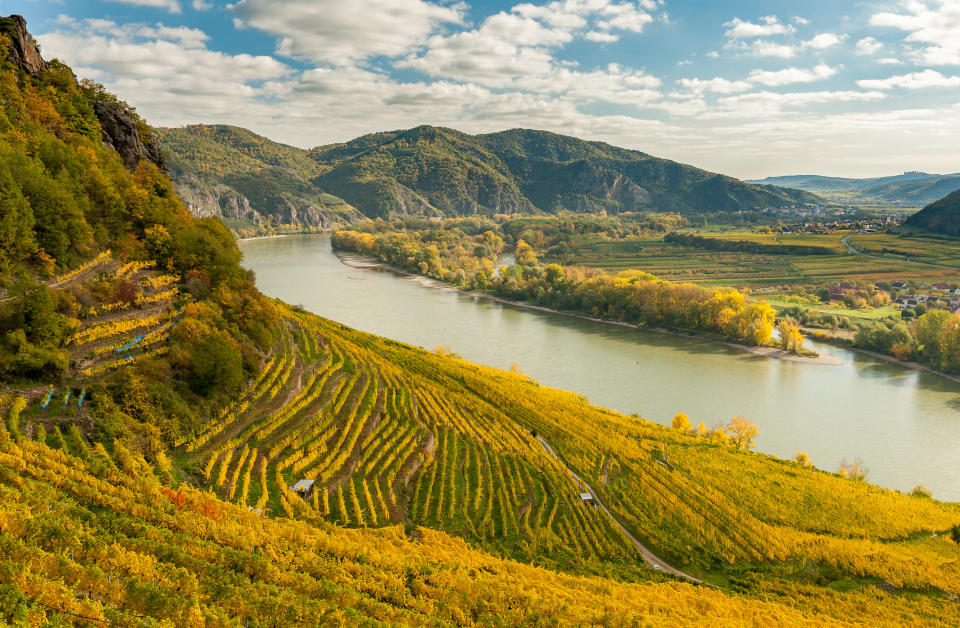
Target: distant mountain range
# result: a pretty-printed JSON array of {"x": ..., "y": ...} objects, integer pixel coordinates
[
  {"x": 431, "y": 171},
  {"x": 942, "y": 216},
  {"x": 909, "y": 188}
]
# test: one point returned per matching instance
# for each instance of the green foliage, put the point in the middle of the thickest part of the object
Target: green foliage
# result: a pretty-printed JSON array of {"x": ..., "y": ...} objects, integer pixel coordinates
[{"x": 942, "y": 216}]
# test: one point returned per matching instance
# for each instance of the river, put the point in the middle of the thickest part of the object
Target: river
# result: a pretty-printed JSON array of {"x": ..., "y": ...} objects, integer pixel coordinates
[{"x": 904, "y": 424}]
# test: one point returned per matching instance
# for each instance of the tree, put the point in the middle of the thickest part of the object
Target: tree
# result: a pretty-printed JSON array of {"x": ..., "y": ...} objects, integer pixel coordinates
[
  {"x": 921, "y": 491},
  {"x": 742, "y": 432},
  {"x": 803, "y": 458},
  {"x": 955, "y": 534},
  {"x": 681, "y": 422},
  {"x": 790, "y": 337}
]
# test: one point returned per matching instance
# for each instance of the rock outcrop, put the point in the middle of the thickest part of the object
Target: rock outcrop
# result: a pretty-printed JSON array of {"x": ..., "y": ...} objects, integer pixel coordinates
[
  {"x": 23, "y": 52},
  {"x": 122, "y": 132},
  {"x": 121, "y": 128}
]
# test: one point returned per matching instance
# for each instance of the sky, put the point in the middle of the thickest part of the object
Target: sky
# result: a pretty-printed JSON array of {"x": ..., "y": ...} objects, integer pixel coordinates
[{"x": 750, "y": 89}]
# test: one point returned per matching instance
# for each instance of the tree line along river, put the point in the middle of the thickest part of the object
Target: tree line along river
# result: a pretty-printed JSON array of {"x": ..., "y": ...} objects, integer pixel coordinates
[{"x": 904, "y": 424}]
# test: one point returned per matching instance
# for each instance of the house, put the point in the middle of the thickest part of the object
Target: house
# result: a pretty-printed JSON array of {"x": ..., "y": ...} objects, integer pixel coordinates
[
  {"x": 587, "y": 498},
  {"x": 899, "y": 285},
  {"x": 942, "y": 285},
  {"x": 303, "y": 488}
]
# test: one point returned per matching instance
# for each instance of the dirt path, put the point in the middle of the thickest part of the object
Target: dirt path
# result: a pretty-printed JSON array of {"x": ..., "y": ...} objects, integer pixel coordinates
[{"x": 652, "y": 559}]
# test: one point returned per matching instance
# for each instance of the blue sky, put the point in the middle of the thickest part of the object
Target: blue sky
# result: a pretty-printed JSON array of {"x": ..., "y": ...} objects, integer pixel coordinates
[{"x": 745, "y": 88}]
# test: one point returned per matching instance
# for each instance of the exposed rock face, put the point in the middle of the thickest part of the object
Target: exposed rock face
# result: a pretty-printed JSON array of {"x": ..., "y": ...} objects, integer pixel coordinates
[
  {"x": 23, "y": 52},
  {"x": 205, "y": 199},
  {"x": 120, "y": 127},
  {"x": 122, "y": 133}
]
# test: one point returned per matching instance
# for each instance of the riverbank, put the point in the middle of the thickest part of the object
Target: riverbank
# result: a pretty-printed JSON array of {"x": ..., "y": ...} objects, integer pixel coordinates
[
  {"x": 844, "y": 342},
  {"x": 363, "y": 262}
]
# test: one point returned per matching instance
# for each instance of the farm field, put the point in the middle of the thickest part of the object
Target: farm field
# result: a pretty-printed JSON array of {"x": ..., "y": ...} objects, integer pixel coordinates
[
  {"x": 914, "y": 248},
  {"x": 741, "y": 269}
]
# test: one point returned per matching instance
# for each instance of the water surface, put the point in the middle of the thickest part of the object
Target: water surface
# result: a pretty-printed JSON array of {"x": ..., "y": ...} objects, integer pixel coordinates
[{"x": 904, "y": 424}]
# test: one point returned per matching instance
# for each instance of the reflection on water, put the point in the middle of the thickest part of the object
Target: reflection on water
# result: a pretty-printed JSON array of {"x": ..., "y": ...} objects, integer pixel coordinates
[{"x": 905, "y": 424}]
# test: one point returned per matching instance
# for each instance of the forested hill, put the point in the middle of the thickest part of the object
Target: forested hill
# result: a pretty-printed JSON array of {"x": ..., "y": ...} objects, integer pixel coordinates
[
  {"x": 157, "y": 409},
  {"x": 253, "y": 184},
  {"x": 430, "y": 171},
  {"x": 913, "y": 188},
  {"x": 942, "y": 216}
]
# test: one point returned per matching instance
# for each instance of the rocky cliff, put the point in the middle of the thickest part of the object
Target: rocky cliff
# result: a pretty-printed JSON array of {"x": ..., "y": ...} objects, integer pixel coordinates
[
  {"x": 123, "y": 130},
  {"x": 23, "y": 52}
]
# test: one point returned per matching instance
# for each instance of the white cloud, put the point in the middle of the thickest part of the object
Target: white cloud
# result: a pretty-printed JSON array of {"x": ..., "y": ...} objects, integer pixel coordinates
[
  {"x": 601, "y": 36},
  {"x": 890, "y": 61},
  {"x": 763, "y": 48},
  {"x": 516, "y": 49},
  {"x": 869, "y": 46},
  {"x": 791, "y": 75},
  {"x": 769, "y": 25},
  {"x": 824, "y": 40},
  {"x": 341, "y": 32},
  {"x": 173, "y": 6},
  {"x": 769, "y": 105},
  {"x": 716, "y": 85},
  {"x": 934, "y": 24},
  {"x": 201, "y": 5},
  {"x": 916, "y": 80}
]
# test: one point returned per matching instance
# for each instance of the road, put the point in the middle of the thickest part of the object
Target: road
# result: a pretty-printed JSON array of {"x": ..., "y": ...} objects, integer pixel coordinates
[{"x": 652, "y": 559}]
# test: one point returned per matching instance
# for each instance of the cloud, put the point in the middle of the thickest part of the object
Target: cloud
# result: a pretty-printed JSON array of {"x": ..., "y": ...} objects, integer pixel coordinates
[
  {"x": 791, "y": 75},
  {"x": 934, "y": 24},
  {"x": 824, "y": 40},
  {"x": 763, "y": 48},
  {"x": 338, "y": 32},
  {"x": 173, "y": 6},
  {"x": 890, "y": 61},
  {"x": 768, "y": 105},
  {"x": 716, "y": 85},
  {"x": 201, "y": 5},
  {"x": 516, "y": 49},
  {"x": 769, "y": 25},
  {"x": 868, "y": 46},
  {"x": 601, "y": 36},
  {"x": 916, "y": 80}
]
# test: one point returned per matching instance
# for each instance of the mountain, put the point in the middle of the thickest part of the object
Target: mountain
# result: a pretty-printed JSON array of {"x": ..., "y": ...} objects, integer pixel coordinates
[
  {"x": 910, "y": 188},
  {"x": 442, "y": 171},
  {"x": 430, "y": 171},
  {"x": 942, "y": 216},
  {"x": 177, "y": 449},
  {"x": 253, "y": 184}
]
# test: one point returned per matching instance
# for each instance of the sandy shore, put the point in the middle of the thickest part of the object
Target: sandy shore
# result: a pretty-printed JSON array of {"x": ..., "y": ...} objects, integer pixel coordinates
[
  {"x": 269, "y": 237},
  {"x": 355, "y": 260}
]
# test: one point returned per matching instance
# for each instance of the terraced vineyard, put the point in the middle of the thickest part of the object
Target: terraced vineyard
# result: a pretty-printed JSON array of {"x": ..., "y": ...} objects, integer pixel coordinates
[{"x": 385, "y": 447}]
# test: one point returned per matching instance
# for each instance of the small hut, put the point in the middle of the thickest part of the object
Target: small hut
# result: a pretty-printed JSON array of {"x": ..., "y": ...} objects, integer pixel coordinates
[
  {"x": 587, "y": 498},
  {"x": 303, "y": 488}
]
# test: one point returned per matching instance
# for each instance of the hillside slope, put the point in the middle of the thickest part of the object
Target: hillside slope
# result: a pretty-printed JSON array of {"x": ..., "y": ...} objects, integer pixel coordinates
[
  {"x": 251, "y": 183},
  {"x": 943, "y": 216},
  {"x": 916, "y": 188},
  {"x": 157, "y": 409},
  {"x": 443, "y": 171},
  {"x": 429, "y": 171}
]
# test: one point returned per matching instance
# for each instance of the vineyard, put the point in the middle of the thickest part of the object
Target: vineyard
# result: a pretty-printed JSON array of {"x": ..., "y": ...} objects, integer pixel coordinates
[
  {"x": 130, "y": 320},
  {"x": 392, "y": 435},
  {"x": 410, "y": 450},
  {"x": 385, "y": 446}
]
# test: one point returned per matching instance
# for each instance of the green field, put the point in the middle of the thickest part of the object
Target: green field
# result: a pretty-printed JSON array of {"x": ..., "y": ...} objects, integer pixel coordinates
[{"x": 727, "y": 268}]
